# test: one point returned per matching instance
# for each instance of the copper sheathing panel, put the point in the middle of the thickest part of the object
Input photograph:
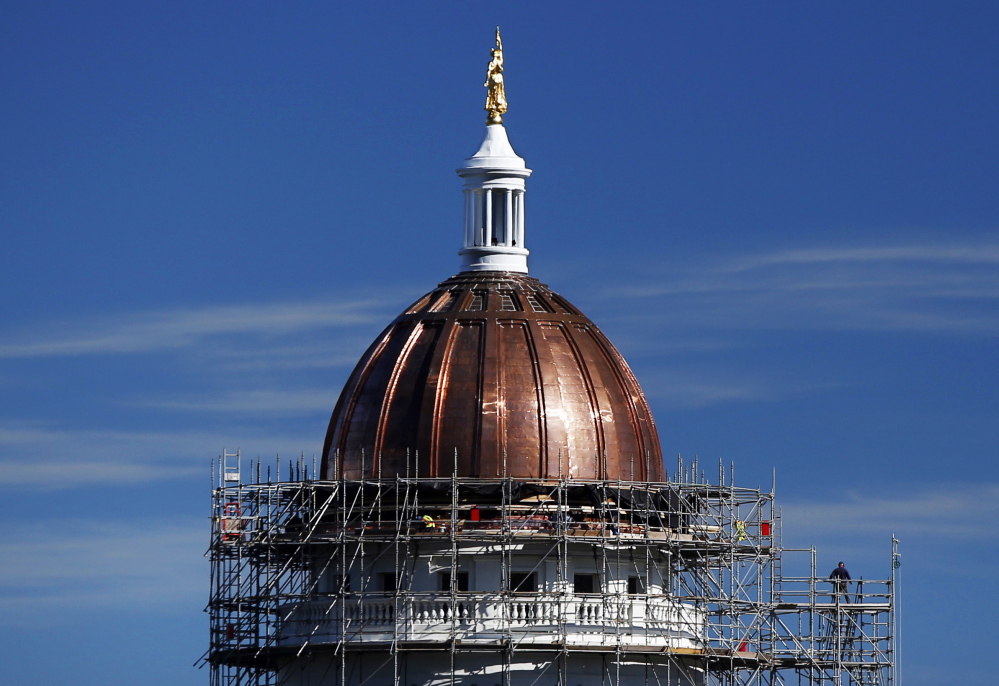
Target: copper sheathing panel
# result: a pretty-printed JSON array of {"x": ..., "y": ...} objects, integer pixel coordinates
[
  {"x": 519, "y": 377},
  {"x": 490, "y": 375}
]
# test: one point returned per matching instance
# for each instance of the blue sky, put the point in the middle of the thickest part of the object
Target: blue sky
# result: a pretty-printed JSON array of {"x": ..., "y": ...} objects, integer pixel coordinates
[{"x": 784, "y": 214}]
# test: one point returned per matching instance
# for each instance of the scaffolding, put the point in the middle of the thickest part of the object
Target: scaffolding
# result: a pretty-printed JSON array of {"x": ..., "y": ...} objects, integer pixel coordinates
[{"x": 684, "y": 583}]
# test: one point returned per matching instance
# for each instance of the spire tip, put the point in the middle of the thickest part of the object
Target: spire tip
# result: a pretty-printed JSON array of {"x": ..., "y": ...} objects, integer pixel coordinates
[{"x": 496, "y": 93}]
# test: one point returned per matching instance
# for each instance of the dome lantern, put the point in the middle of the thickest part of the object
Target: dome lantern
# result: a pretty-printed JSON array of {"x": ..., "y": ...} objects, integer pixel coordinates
[{"x": 494, "y": 189}]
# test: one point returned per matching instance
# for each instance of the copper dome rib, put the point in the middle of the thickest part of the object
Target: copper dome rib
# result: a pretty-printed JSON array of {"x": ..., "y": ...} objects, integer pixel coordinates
[{"x": 492, "y": 374}]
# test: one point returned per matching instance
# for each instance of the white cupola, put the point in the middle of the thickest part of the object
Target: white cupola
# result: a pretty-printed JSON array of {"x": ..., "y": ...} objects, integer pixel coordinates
[{"x": 494, "y": 206}]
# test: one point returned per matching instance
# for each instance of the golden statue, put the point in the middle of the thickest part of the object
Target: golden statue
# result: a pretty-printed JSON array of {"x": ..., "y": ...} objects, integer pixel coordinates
[{"x": 496, "y": 95}]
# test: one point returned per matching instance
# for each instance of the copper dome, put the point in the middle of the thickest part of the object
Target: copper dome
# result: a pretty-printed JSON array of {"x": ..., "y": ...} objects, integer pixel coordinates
[{"x": 498, "y": 370}]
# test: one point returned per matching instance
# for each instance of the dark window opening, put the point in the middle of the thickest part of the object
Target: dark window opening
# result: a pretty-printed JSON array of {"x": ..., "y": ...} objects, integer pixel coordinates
[
  {"x": 461, "y": 581},
  {"x": 636, "y": 585},
  {"x": 523, "y": 582},
  {"x": 389, "y": 583},
  {"x": 585, "y": 583}
]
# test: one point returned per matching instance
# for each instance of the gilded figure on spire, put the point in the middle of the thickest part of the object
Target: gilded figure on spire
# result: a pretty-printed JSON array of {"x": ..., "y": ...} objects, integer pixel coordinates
[{"x": 496, "y": 95}]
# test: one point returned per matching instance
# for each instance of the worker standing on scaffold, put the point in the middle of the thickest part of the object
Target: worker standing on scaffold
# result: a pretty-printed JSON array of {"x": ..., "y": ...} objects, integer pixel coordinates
[{"x": 840, "y": 579}]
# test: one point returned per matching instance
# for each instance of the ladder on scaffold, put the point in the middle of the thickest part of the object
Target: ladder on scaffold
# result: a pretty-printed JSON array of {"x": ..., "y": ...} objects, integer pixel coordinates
[{"x": 230, "y": 468}]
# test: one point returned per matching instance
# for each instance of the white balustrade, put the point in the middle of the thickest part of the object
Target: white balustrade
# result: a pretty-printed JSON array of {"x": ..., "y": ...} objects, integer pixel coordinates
[{"x": 649, "y": 620}]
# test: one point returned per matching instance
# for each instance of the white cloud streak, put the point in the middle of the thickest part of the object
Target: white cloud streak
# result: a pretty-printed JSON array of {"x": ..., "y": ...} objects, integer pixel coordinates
[
  {"x": 342, "y": 350},
  {"x": 980, "y": 254},
  {"x": 41, "y": 458},
  {"x": 270, "y": 401},
  {"x": 693, "y": 387},
  {"x": 918, "y": 288},
  {"x": 158, "y": 331},
  {"x": 953, "y": 512},
  {"x": 947, "y": 531},
  {"x": 73, "y": 565}
]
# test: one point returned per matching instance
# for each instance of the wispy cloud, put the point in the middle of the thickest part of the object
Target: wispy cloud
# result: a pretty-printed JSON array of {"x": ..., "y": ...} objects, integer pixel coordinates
[
  {"x": 46, "y": 458},
  {"x": 157, "y": 331},
  {"x": 969, "y": 254},
  {"x": 79, "y": 565},
  {"x": 341, "y": 350},
  {"x": 62, "y": 474},
  {"x": 270, "y": 401},
  {"x": 953, "y": 511},
  {"x": 238, "y": 349},
  {"x": 693, "y": 387},
  {"x": 948, "y": 529},
  {"x": 927, "y": 288}
]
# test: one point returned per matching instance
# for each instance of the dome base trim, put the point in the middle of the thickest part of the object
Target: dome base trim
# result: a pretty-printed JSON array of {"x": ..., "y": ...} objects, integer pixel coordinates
[{"x": 495, "y": 259}]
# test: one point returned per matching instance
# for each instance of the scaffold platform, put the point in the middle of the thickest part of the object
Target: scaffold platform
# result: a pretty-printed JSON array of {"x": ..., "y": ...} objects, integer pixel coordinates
[{"x": 683, "y": 575}]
